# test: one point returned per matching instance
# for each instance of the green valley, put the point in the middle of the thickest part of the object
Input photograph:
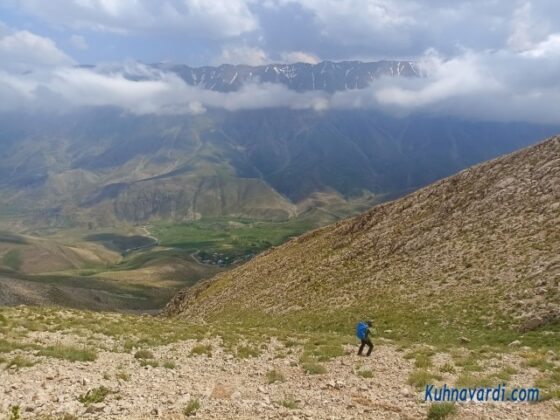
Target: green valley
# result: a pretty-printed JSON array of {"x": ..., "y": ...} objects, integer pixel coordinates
[
  {"x": 130, "y": 268},
  {"x": 225, "y": 241}
]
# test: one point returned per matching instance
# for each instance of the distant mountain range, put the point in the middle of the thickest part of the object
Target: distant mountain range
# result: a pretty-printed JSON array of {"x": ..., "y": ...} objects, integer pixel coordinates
[
  {"x": 326, "y": 76},
  {"x": 101, "y": 166}
]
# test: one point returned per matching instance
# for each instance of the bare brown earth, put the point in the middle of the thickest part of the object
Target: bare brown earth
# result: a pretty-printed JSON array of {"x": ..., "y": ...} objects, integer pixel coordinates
[
  {"x": 14, "y": 291},
  {"x": 66, "y": 269}
]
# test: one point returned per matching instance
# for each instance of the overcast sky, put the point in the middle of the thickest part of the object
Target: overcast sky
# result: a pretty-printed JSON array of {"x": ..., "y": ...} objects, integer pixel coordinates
[
  {"x": 492, "y": 59},
  {"x": 202, "y": 32}
]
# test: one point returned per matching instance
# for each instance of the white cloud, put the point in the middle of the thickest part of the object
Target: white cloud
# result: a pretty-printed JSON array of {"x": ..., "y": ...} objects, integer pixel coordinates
[
  {"x": 363, "y": 16},
  {"x": 299, "y": 57},
  {"x": 549, "y": 47},
  {"x": 460, "y": 76},
  {"x": 359, "y": 22},
  {"x": 242, "y": 55},
  {"x": 213, "y": 19},
  {"x": 66, "y": 88},
  {"x": 254, "y": 56},
  {"x": 83, "y": 87},
  {"x": 491, "y": 85},
  {"x": 79, "y": 42},
  {"x": 527, "y": 27},
  {"x": 24, "y": 51},
  {"x": 331, "y": 29},
  {"x": 523, "y": 27},
  {"x": 349, "y": 29}
]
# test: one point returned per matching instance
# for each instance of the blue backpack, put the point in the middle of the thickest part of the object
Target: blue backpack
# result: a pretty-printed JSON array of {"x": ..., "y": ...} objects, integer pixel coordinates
[{"x": 361, "y": 330}]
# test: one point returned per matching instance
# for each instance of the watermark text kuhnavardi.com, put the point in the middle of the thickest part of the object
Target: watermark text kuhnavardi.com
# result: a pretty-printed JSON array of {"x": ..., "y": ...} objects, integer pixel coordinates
[{"x": 497, "y": 393}]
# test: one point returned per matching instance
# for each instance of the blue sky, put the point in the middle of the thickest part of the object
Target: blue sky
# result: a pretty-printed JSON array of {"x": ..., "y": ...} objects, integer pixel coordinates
[{"x": 482, "y": 59}]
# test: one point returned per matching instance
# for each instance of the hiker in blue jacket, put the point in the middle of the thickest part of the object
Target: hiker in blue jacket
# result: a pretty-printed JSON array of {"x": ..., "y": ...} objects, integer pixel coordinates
[{"x": 363, "y": 332}]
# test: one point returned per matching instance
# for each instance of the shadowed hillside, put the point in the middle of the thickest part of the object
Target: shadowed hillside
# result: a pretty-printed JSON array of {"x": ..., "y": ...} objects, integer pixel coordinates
[{"x": 101, "y": 168}]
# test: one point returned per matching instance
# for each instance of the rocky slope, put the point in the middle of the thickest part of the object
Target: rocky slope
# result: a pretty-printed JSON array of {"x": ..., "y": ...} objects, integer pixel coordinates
[
  {"x": 479, "y": 250},
  {"x": 144, "y": 369}
]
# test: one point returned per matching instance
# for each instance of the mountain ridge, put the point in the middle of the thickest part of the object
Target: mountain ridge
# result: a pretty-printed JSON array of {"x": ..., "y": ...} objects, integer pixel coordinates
[
  {"x": 327, "y": 76},
  {"x": 484, "y": 242},
  {"x": 104, "y": 167}
]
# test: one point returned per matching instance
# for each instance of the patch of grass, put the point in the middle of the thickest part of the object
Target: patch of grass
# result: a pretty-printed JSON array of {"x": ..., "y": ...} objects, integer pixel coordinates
[
  {"x": 505, "y": 373},
  {"x": 548, "y": 380},
  {"x": 143, "y": 354},
  {"x": 539, "y": 363},
  {"x": 9, "y": 346},
  {"x": 128, "y": 331},
  {"x": 168, "y": 364},
  {"x": 289, "y": 402},
  {"x": 225, "y": 240},
  {"x": 65, "y": 416},
  {"x": 469, "y": 363},
  {"x": 12, "y": 259},
  {"x": 423, "y": 360},
  {"x": 324, "y": 349},
  {"x": 73, "y": 354},
  {"x": 15, "y": 412},
  {"x": 440, "y": 411},
  {"x": 448, "y": 368},
  {"x": 192, "y": 407},
  {"x": 421, "y": 377},
  {"x": 149, "y": 362},
  {"x": 94, "y": 396},
  {"x": 329, "y": 352},
  {"x": 127, "y": 345},
  {"x": 472, "y": 367},
  {"x": 202, "y": 349},
  {"x": 122, "y": 375},
  {"x": 467, "y": 380},
  {"x": 246, "y": 352},
  {"x": 313, "y": 368},
  {"x": 273, "y": 376},
  {"x": 289, "y": 342},
  {"x": 550, "y": 395},
  {"x": 365, "y": 373},
  {"x": 19, "y": 362}
]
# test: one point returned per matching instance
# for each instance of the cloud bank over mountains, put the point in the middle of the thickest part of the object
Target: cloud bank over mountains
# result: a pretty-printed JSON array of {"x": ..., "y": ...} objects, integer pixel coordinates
[{"x": 480, "y": 60}]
